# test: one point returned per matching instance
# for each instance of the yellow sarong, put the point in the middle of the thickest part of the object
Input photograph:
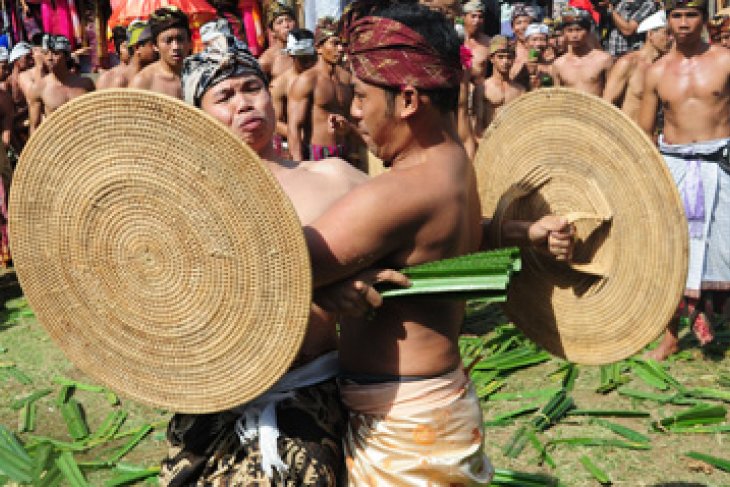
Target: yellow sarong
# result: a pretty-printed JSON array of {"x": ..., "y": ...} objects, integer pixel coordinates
[{"x": 421, "y": 433}]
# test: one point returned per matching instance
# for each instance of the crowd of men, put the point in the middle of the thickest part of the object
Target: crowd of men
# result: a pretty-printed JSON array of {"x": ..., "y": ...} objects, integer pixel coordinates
[{"x": 393, "y": 81}]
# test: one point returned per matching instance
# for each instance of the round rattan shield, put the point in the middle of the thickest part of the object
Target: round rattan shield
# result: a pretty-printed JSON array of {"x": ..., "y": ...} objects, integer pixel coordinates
[
  {"x": 159, "y": 252},
  {"x": 558, "y": 151}
]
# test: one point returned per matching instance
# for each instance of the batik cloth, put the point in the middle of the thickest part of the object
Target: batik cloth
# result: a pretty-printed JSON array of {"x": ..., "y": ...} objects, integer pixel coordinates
[
  {"x": 219, "y": 450},
  {"x": 319, "y": 152},
  {"x": 388, "y": 53},
  {"x": 705, "y": 191},
  {"x": 415, "y": 433}
]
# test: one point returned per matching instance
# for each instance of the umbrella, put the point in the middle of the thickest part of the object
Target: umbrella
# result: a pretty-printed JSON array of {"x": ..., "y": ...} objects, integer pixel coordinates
[{"x": 199, "y": 11}]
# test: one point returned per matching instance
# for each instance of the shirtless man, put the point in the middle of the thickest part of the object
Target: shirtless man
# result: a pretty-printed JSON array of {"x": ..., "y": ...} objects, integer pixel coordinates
[
  {"x": 499, "y": 90},
  {"x": 583, "y": 67},
  {"x": 522, "y": 17},
  {"x": 625, "y": 85},
  {"x": 539, "y": 68},
  {"x": 21, "y": 60},
  {"x": 27, "y": 78},
  {"x": 395, "y": 360},
  {"x": 206, "y": 449},
  {"x": 141, "y": 54},
  {"x": 59, "y": 86},
  {"x": 315, "y": 96},
  {"x": 300, "y": 47},
  {"x": 171, "y": 39},
  {"x": 280, "y": 20},
  {"x": 475, "y": 39},
  {"x": 692, "y": 84}
]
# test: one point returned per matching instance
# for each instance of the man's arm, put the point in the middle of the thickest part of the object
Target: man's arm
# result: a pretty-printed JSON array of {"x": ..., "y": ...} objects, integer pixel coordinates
[
  {"x": 353, "y": 234},
  {"x": 618, "y": 79},
  {"x": 477, "y": 101},
  {"x": 141, "y": 80},
  {"x": 650, "y": 101},
  {"x": 278, "y": 94},
  {"x": 557, "y": 81},
  {"x": 626, "y": 27},
  {"x": 299, "y": 109},
  {"x": 8, "y": 108},
  {"x": 35, "y": 106}
]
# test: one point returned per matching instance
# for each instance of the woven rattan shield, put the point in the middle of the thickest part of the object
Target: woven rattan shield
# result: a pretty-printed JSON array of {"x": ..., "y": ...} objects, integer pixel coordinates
[
  {"x": 159, "y": 252},
  {"x": 558, "y": 151}
]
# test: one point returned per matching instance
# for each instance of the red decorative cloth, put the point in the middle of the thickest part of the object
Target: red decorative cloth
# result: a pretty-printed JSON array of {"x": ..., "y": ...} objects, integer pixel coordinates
[{"x": 388, "y": 53}]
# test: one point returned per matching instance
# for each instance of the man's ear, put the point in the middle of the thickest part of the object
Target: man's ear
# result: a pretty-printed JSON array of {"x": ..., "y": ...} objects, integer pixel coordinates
[{"x": 410, "y": 102}]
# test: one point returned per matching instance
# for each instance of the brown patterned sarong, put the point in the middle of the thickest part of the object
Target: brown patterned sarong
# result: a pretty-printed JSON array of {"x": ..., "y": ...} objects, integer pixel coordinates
[{"x": 205, "y": 450}]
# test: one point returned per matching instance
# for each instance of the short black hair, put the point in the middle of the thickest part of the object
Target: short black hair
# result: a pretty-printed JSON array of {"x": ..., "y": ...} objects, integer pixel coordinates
[
  {"x": 300, "y": 34},
  {"x": 166, "y": 18},
  {"x": 438, "y": 31},
  {"x": 119, "y": 36}
]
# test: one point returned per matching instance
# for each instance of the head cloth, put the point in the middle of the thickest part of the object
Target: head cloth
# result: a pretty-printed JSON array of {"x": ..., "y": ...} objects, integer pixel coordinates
[
  {"x": 672, "y": 4},
  {"x": 210, "y": 67},
  {"x": 277, "y": 8},
  {"x": 169, "y": 17},
  {"x": 388, "y": 53},
  {"x": 472, "y": 6},
  {"x": 326, "y": 28},
  {"x": 55, "y": 43}
]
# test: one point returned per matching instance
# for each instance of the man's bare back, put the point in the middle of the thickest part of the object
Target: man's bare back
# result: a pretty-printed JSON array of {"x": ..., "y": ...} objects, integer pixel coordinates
[
  {"x": 586, "y": 73},
  {"x": 694, "y": 93},
  {"x": 156, "y": 77}
]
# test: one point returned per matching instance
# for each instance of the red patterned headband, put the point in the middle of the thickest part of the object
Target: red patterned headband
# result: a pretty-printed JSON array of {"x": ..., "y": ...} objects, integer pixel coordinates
[{"x": 388, "y": 53}]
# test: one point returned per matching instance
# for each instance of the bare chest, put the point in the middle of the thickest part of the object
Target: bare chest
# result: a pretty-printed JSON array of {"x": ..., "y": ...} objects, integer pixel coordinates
[
  {"x": 580, "y": 71},
  {"x": 332, "y": 95},
  {"x": 499, "y": 94},
  {"x": 697, "y": 81},
  {"x": 280, "y": 64},
  {"x": 167, "y": 85},
  {"x": 55, "y": 95}
]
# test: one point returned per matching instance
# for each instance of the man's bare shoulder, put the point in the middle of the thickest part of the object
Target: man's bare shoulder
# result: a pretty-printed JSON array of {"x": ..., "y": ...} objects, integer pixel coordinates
[
  {"x": 144, "y": 78},
  {"x": 114, "y": 78},
  {"x": 336, "y": 170},
  {"x": 720, "y": 55}
]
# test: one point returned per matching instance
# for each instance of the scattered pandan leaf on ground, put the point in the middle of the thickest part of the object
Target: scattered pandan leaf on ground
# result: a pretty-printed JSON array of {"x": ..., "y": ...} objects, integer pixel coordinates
[{"x": 719, "y": 463}]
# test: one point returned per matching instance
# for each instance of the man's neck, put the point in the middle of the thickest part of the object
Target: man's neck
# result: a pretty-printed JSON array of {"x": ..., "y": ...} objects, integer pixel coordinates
[
  {"x": 579, "y": 50},
  {"x": 278, "y": 45},
  {"x": 427, "y": 132},
  {"x": 170, "y": 69},
  {"x": 471, "y": 36},
  {"x": 499, "y": 76},
  {"x": 649, "y": 52},
  {"x": 691, "y": 47},
  {"x": 325, "y": 67},
  {"x": 135, "y": 65}
]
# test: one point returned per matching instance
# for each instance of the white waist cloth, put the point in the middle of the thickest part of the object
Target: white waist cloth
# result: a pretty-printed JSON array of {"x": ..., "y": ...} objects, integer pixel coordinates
[
  {"x": 258, "y": 417},
  {"x": 707, "y": 185}
]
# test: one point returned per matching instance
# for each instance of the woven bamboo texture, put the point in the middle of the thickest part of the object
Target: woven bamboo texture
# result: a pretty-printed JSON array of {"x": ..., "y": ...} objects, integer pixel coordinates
[
  {"x": 159, "y": 252},
  {"x": 558, "y": 151}
]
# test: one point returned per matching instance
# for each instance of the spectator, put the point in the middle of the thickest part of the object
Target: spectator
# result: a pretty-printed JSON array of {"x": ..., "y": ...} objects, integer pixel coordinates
[{"x": 626, "y": 15}]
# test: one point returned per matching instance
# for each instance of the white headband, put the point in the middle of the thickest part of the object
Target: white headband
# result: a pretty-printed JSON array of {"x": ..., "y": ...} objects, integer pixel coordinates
[
  {"x": 533, "y": 29},
  {"x": 302, "y": 47}
]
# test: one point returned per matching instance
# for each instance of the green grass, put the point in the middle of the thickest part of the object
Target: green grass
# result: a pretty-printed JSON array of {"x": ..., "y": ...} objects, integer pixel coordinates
[{"x": 514, "y": 394}]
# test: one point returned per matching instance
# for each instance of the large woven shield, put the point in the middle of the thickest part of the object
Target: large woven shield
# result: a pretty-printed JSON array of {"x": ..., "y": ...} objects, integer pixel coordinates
[
  {"x": 558, "y": 151},
  {"x": 159, "y": 252}
]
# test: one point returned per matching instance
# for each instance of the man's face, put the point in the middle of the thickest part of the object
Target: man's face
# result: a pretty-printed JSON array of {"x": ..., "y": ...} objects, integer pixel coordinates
[
  {"x": 39, "y": 56},
  {"x": 282, "y": 25},
  {"x": 660, "y": 39},
  {"x": 302, "y": 63},
  {"x": 25, "y": 62},
  {"x": 725, "y": 39},
  {"x": 53, "y": 59},
  {"x": 331, "y": 50},
  {"x": 575, "y": 35},
  {"x": 473, "y": 22},
  {"x": 146, "y": 53},
  {"x": 519, "y": 26},
  {"x": 243, "y": 104},
  {"x": 369, "y": 112},
  {"x": 503, "y": 61},
  {"x": 173, "y": 46},
  {"x": 685, "y": 24},
  {"x": 124, "y": 56},
  {"x": 538, "y": 42}
]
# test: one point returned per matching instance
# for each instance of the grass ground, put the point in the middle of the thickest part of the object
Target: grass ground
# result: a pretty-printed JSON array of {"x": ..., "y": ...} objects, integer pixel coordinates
[{"x": 24, "y": 344}]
